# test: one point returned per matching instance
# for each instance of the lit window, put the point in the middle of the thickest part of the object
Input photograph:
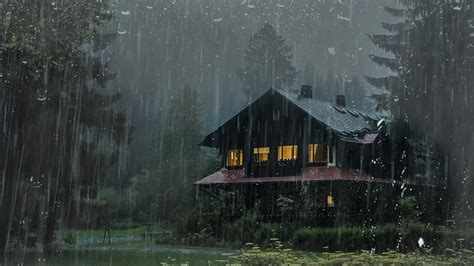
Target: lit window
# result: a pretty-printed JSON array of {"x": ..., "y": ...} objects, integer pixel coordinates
[
  {"x": 318, "y": 153},
  {"x": 287, "y": 152},
  {"x": 235, "y": 158},
  {"x": 261, "y": 153},
  {"x": 330, "y": 201}
]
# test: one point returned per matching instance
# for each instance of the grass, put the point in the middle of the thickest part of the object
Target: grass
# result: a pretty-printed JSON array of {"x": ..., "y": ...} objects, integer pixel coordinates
[
  {"x": 147, "y": 252},
  {"x": 255, "y": 256}
]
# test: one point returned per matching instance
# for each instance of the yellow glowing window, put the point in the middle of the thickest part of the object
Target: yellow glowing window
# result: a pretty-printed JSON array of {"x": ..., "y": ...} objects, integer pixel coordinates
[
  {"x": 318, "y": 153},
  {"x": 287, "y": 152},
  {"x": 261, "y": 153},
  {"x": 330, "y": 201},
  {"x": 235, "y": 158}
]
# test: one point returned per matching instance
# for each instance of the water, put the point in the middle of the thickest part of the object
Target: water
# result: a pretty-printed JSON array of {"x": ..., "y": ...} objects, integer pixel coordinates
[{"x": 118, "y": 257}]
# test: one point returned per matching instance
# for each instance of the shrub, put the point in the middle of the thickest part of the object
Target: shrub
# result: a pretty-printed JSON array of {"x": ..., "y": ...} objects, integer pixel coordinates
[
  {"x": 381, "y": 238},
  {"x": 187, "y": 222},
  {"x": 69, "y": 238}
]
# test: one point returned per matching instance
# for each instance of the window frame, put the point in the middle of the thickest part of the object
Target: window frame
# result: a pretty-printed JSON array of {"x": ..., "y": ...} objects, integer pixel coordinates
[
  {"x": 312, "y": 151},
  {"x": 258, "y": 151},
  {"x": 240, "y": 158},
  {"x": 294, "y": 152}
]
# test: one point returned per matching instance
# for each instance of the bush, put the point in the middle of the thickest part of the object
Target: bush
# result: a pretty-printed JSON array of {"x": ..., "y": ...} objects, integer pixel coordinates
[
  {"x": 69, "y": 238},
  {"x": 249, "y": 229},
  {"x": 380, "y": 238},
  {"x": 186, "y": 223}
]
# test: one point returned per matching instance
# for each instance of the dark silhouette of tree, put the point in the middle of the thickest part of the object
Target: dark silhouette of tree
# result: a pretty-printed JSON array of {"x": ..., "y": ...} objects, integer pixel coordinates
[
  {"x": 52, "y": 109},
  {"x": 267, "y": 63},
  {"x": 431, "y": 91},
  {"x": 177, "y": 161}
]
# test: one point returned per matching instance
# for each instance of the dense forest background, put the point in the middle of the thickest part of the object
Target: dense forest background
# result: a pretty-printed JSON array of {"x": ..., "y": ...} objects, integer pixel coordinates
[{"x": 103, "y": 104}]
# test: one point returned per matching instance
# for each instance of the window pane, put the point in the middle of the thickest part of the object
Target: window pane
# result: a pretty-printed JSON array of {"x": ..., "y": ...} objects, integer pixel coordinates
[
  {"x": 318, "y": 153},
  {"x": 235, "y": 157},
  {"x": 287, "y": 152},
  {"x": 262, "y": 153}
]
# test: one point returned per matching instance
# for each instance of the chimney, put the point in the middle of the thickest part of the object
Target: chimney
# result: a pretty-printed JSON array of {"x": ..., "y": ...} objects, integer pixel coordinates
[
  {"x": 341, "y": 100},
  {"x": 306, "y": 92}
]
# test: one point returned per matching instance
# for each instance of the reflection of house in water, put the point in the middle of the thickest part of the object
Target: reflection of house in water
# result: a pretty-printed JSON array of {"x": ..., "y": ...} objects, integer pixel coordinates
[{"x": 332, "y": 160}]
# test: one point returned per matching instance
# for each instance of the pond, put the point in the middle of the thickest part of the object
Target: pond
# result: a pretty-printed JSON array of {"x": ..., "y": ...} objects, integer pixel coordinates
[{"x": 143, "y": 256}]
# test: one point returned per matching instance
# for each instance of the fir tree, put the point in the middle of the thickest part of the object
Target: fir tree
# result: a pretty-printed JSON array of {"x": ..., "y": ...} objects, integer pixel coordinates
[
  {"x": 431, "y": 47},
  {"x": 177, "y": 161},
  {"x": 267, "y": 63},
  {"x": 53, "y": 118}
]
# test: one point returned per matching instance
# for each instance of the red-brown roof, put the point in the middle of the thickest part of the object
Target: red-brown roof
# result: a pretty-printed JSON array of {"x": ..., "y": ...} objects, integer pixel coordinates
[{"x": 225, "y": 176}]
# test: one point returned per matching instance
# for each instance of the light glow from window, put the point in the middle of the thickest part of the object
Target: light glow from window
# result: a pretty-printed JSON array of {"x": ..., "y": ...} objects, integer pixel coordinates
[
  {"x": 289, "y": 152},
  {"x": 235, "y": 158},
  {"x": 262, "y": 153}
]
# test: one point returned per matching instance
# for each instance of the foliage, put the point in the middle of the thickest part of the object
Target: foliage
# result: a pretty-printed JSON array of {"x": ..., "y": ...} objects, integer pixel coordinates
[
  {"x": 69, "y": 238},
  {"x": 257, "y": 256},
  {"x": 250, "y": 228},
  {"x": 268, "y": 63},
  {"x": 53, "y": 73},
  {"x": 403, "y": 237},
  {"x": 177, "y": 161},
  {"x": 274, "y": 255},
  {"x": 408, "y": 208},
  {"x": 431, "y": 59},
  {"x": 285, "y": 206}
]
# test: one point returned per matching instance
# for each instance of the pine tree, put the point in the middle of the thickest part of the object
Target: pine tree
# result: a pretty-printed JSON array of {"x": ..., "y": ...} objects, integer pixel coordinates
[
  {"x": 177, "y": 161},
  {"x": 268, "y": 63},
  {"x": 431, "y": 51},
  {"x": 52, "y": 117}
]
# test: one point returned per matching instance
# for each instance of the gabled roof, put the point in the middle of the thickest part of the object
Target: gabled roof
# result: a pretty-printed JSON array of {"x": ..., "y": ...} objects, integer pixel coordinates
[
  {"x": 344, "y": 121},
  {"x": 340, "y": 119}
]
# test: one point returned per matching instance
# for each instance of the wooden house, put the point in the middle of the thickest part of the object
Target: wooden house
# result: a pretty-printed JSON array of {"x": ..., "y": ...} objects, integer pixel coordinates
[{"x": 325, "y": 156}]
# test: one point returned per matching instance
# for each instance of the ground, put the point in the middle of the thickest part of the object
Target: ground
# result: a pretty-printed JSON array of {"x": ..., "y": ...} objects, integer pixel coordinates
[{"x": 129, "y": 248}]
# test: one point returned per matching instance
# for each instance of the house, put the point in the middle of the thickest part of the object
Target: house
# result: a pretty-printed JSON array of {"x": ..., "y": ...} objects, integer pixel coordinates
[{"x": 325, "y": 156}]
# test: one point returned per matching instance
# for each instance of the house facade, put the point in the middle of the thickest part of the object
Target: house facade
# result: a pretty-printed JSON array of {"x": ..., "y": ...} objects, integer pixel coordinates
[
  {"x": 284, "y": 132},
  {"x": 288, "y": 143}
]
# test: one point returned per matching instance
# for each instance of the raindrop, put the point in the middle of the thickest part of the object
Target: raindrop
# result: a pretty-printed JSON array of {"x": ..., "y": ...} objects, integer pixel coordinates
[
  {"x": 120, "y": 32},
  {"x": 332, "y": 51},
  {"x": 421, "y": 242},
  {"x": 42, "y": 97},
  {"x": 125, "y": 13},
  {"x": 218, "y": 19},
  {"x": 343, "y": 18}
]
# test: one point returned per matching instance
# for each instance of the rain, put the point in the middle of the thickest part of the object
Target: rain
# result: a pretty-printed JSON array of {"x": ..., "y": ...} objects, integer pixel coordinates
[{"x": 236, "y": 132}]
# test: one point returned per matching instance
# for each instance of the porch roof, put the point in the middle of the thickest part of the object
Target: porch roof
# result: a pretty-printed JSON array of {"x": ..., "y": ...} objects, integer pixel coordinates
[{"x": 309, "y": 174}]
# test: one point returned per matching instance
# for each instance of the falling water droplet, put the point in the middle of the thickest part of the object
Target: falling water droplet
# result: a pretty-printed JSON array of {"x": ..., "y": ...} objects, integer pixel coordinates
[
  {"x": 332, "y": 51},
  {"x": 421, "y": 242}
]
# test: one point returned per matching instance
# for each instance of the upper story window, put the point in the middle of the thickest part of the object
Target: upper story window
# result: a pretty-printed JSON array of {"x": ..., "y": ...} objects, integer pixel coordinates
[
  {"x": 235, "y": 158},
  {"x": 288, "y": 152},
  {"x": 261, "y": 153},
  {"x": 318, "y": 153}
]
